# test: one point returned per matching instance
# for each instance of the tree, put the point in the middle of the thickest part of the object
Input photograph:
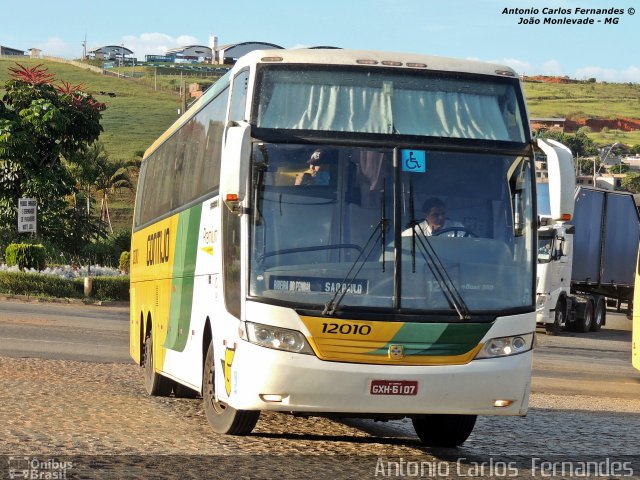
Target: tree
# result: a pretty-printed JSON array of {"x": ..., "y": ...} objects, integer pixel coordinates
[
  {"x": 622, "y": 168},
  {"x": 40, "y": 124},
  {"x": 97, "y": 173},
  {"x": 585, "y": 166},
  {"x": 579, "y": 143},
  {"x": 631, "y": 182}
]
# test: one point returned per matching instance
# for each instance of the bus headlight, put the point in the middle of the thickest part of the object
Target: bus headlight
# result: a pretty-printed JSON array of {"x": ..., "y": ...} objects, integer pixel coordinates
[
  {"x": 505, "y": 346},
  {"x": 277, "y": 338}
]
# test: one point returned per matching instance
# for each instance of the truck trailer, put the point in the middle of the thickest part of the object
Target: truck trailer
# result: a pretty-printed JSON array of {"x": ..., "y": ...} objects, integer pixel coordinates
[{"x": 587, "y": 260}]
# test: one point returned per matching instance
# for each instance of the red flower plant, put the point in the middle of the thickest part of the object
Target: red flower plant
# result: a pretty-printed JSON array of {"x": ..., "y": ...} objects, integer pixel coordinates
[
  {"x": 67, "y": 89},
  {"x": 37, "y": 75}
]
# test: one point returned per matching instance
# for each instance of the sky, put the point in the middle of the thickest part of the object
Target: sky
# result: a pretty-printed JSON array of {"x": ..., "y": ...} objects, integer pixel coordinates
[{"x": 472, "y": 29}]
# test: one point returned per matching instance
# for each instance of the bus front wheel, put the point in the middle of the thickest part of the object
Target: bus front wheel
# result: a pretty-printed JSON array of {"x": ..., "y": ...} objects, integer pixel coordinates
[
  {"x": 444, "y": 430},
  {"x": 222, "y": 417}
]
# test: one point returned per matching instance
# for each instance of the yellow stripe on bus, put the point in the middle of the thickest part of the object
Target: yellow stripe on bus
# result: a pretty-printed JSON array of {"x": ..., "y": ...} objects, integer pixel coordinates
[{"x": 379, "y": 342}]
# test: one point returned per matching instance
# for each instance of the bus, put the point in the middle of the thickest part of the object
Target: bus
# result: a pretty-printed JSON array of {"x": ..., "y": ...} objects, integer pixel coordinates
[
  {"x": 634, "y": 314},
  {"x": 282, "y": 259}
]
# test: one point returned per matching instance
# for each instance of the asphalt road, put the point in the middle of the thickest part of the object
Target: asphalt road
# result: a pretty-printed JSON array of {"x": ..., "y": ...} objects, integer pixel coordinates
[
  {"x": 59, "y": 331},
  {"x": 597, "y": 364}
]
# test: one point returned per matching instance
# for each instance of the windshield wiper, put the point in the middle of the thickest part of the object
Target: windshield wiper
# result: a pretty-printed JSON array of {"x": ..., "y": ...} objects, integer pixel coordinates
[
  {"x": 380, "y": 229},
  {"x": 436, "y": 266}
]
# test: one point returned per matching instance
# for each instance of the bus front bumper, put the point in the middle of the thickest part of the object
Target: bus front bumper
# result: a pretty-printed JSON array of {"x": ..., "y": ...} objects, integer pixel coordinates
[{"x": 266, "y": 379}]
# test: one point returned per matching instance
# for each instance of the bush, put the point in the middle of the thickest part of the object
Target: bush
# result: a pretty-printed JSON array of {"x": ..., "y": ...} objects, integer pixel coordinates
[
  {"x": 35, "y": 284},
  {"x": 125, "y": 262},
  {"x": 106, "y": 288},
  {"x": 25, "y": 255},
  {"x": 107, "y": 251}
]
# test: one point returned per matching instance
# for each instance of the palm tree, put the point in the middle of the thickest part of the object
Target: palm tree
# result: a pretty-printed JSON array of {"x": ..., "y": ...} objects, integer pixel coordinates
[
  {"x": 111, "y": 177},
  {"x": 95, "y": 172}
]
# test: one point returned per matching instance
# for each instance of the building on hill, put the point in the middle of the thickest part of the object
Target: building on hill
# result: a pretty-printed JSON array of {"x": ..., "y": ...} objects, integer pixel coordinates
[
  {"x": 6, "y": 51},
  {"x": 223, "y": 54},
  {"x": 228, "y": 54},
  {"x": 548, "y": 124},
  {"x": 607, "y": 181},
  {"x": 111, "y": 53},
  {"x": 198, "y": 53},
  {"x": 35, "y": 53}
]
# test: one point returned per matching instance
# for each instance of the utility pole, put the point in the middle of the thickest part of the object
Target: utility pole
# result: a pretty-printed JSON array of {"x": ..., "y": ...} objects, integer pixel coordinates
[
  {"x": 602, "y": 162},
  {"x": 183, "y": 96}
]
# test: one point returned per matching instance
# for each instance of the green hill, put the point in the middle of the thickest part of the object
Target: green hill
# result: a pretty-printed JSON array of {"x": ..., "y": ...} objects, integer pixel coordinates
[
  {"x": 137, "y": 114},
  {"x": 134, "y": 117},
  {"x": 594, "y": 100},
  {"x": 588, "y": 100}
]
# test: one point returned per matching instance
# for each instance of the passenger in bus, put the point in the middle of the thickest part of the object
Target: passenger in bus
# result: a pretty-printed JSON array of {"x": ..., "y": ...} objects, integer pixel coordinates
[
  {"x": 435, "y": 220},
  {"x": 318, "y": 173}
]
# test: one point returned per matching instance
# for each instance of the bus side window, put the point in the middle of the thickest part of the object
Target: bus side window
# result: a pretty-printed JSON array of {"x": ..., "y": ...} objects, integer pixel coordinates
[{"x": 239, "y": 96}]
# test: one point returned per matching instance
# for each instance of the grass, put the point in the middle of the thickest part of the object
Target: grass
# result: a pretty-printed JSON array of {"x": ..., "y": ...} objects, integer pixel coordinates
[
  {"x": 598, "y": 100},
  {"x": 134, "y": 118},
  {"x": 615, "y": 136},
  {"x": 168, "y": 79}
]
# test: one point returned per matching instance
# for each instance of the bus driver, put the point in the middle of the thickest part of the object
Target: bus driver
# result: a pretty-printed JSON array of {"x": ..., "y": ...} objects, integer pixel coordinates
[{"x": 435, "y": 220}]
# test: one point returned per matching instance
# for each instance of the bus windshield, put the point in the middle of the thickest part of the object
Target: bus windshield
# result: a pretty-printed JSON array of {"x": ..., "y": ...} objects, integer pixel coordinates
[
  {"x": 381, "y": 101},
  {"x": 335, "y": 219}
]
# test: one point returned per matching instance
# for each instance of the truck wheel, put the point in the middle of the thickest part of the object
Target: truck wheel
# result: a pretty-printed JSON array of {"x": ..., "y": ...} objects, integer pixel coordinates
[
  {"x": 584, "y": 323},
  {"x": 559, "y": 317},
  {"x": 222, "y": 417},
  {"x": 155, "y": 384},
  {"x": 599, "y": 316},
  {"x": 444, "y": 430}
]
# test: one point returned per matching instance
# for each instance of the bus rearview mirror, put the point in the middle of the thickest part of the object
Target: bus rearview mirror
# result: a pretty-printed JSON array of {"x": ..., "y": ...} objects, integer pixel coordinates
[{"x": 235, "y": 163}]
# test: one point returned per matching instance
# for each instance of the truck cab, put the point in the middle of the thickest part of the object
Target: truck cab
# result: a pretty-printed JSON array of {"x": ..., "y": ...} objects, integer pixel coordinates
[
  {"x": 555, "y": 236},
  {"x": 553, "y": 279}
]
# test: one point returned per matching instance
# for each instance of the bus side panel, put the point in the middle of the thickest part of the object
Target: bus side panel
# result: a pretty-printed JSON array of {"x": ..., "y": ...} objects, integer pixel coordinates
[
  {"x": 635, "y": 340},
  {"x": 197, "y": 297},
  {"x": 152, "y": 254},
  {"x": 134, "y": 326}
]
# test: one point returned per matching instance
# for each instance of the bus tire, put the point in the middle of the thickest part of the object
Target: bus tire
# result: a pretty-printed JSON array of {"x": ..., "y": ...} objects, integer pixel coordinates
[
  {"x": 599, "y": 316},
  {"x": 155, "y": 384},
  {"x": 223, "y": 418},
  {"x": 584, "y": 324},
  {"x": 444, "y": 430}
]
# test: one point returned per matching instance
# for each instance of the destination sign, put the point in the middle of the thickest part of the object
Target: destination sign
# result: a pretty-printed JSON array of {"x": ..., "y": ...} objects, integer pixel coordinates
[{"x": 318, "y": 285}]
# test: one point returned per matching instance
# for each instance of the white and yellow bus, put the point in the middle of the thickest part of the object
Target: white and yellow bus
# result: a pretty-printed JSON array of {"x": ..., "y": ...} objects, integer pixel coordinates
[
  {"x": 282, "y": 259},
  {"x": 635, "y": 317}
]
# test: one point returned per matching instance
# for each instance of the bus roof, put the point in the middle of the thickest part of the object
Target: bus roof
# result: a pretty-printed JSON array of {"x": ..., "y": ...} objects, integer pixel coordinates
[
  {"x": 374, "y": 58},
  {"x": 333, "y": 56}
]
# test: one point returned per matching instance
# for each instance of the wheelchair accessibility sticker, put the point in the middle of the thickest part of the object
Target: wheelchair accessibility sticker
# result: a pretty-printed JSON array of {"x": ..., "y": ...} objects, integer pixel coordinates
[{"x": 414, "y": 161}]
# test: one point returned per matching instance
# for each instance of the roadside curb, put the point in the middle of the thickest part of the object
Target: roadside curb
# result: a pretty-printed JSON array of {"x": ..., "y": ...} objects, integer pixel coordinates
[{"x": 66, "y": 301}]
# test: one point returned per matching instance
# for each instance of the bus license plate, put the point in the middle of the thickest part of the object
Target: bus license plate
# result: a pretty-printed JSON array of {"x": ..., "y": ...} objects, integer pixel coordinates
[{"x": 394, "y": 387}]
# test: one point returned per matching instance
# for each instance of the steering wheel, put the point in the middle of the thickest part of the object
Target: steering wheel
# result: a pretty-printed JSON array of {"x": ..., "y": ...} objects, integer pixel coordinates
[{"x": 457, "y": 232}]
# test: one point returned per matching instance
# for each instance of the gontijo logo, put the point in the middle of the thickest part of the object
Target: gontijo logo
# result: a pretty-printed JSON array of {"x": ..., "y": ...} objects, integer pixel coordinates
[{"x": 158, "y": 247}]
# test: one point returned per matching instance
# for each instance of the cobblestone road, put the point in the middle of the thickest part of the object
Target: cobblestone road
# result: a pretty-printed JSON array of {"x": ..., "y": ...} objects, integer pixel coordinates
[{"x": 50, "y": 408}]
